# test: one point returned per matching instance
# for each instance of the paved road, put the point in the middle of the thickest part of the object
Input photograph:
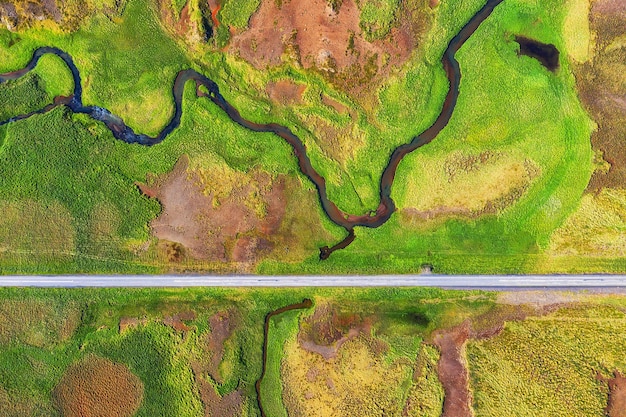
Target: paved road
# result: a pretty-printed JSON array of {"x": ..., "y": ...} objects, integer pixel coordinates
[{"x": 487, "y": 281}]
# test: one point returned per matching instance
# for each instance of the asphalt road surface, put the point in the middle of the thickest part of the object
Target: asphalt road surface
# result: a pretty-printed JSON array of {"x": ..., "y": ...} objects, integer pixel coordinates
[{"x": 444, "y": 281}]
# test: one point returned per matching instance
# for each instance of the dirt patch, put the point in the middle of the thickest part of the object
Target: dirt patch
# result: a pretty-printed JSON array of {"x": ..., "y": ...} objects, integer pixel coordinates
[
  {"x": 229, "y": 405},
  {"x": 609, "y": 7},
  {"x": 222, "y": 325},
  {"x": 337, "y": 106},
  {"x": 286, "y": 92},
  {"x": 177, "y": 321},
  {"x": 617, "y": 396},
  {"x": 314, "y": 35},
  {"x": 127, "y": 323},
  {"x": 98, "y": 387},
  {"x": 223, "y": 216},
  {"x": 327, "y": 329},
  {"x": 452, "y": 370},
  {"x": 182, "y": 26}
]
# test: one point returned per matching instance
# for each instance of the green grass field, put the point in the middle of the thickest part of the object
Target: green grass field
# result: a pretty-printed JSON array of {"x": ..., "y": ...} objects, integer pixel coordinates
[{"x": 486, "y": 196}]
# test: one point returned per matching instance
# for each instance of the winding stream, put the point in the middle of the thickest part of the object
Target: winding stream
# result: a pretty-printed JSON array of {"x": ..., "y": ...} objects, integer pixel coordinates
[
  {"x": 306, "y": 303},
  {"x": 348, "y": 221}
]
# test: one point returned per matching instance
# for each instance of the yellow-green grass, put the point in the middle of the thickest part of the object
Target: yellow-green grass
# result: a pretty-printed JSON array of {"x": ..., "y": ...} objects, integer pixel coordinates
[
  {"x": 444, "y": 188},
  {"x": 549, "y": 365},
  {"x": 426, "y": 395},
  {"x": 283, "y": 328},
  {"x": 576, "y": 32},
  {"x": 356, "y": 383},
  {"x": 596, "y": 228}
]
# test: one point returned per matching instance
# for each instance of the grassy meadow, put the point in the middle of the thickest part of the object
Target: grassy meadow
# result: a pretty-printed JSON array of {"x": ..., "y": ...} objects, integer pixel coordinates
[
  {"x": 355, "y": 352},
  {"x": 486, "y": 196}
]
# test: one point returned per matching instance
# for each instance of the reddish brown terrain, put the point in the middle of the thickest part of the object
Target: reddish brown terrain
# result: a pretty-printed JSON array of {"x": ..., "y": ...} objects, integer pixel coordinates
[
  {"x": 177, "y": 321},
  {"x": 182, "y": 25},
  {"x": 603, "y": 91},
  {"x": 234, "y": 218},
  {"x": 228, "y": 405},
  {"x": 222, "y": 325},
  {"x": 286, "y": 92},
  {"x": 97, "y": 387},
  {"x": 228, "y": 231},
  {"x": 453, "y": 372},
  {"x": 314, "y": 35},
  {"x": 617, "y": 396}
]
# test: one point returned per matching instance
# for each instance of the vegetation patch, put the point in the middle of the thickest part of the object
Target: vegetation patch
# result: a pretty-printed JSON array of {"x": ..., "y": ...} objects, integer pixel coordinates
[
  {"x": 596, "y": 228},
  {"x": 547, "y": 365},
  {"x": 469, "y": 184},
  {"x": 358, "y": 382}
]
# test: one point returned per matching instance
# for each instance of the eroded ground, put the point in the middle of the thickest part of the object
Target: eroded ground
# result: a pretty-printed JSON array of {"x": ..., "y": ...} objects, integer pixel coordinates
[
  {"x": 98, "y": 387},
  {"x": 617, "y": 396},
  {"x": 602, "y": 88},
  {"x": 223, "y": 215},
  {"x": 330, "y": 39}
]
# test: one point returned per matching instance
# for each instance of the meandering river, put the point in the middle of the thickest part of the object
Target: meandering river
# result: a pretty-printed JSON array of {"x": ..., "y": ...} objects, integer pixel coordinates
[{"x": 348, "y": 221}]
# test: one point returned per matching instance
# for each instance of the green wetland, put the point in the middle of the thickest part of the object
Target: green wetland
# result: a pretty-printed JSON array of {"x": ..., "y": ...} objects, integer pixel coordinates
[{"x": 498, "y": 190}]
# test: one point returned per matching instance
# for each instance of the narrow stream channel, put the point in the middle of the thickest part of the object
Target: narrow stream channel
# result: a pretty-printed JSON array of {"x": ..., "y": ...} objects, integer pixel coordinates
[{"x": 306, "y": 303}]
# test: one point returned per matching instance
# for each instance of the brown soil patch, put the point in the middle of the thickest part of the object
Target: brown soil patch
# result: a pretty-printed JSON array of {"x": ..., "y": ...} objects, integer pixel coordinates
[
  {"x": 617, "y": 396},
  {"x": 214, "y": 7},
  {"x": 339, "y": 108},
  {"x": 98, "y": 387},
  {"x": 177, "y": 321},
  {"x": 312, "y": 34},
  {"x": 127, "y": 323},
  {"x": 452, "y": 370},
  {"x": 327, "y": 329},
  {"x": 602, "y": 88},
  {"x": 609, "y": 6},
  {"x": 286, "y": 92},
  {"x": 230, "y": 405},
  {"x": 184, "y": 23},
  {"x": 202, "y": 221},
  {"x": 183, "y": 26},
  {"x": 222, "y": 326}
]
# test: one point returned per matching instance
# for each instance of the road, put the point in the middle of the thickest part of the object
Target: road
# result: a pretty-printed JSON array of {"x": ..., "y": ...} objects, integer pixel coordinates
[{"x": 444, "y": 281}]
